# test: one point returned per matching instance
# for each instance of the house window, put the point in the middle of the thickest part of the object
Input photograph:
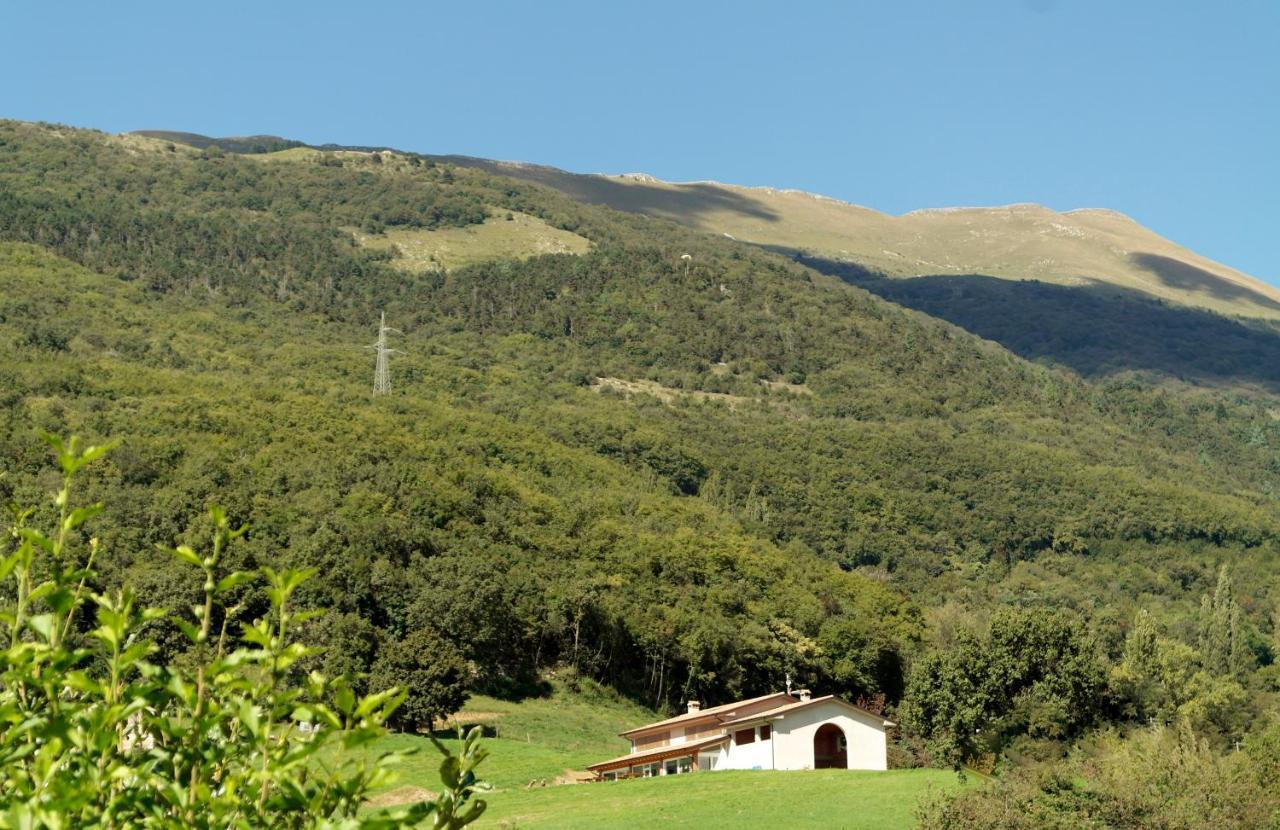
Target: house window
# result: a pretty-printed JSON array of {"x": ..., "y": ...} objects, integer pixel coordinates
[
  {"x": 744, "y": 736},
  {"x": 686, "y": 765},
  {"x": 708, "y": 762},
  {"x": 672, "y": 769},
  {"x": 765, "y": 732}
]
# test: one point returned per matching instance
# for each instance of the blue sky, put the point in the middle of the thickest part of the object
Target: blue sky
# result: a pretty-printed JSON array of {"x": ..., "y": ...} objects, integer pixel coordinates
[{"x": 1168, "y": 111}]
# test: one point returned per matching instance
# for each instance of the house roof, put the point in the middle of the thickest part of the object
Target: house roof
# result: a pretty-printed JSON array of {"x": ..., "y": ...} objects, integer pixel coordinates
[
  {"x": 712, "y": 712},
  {"x": 659, "y": 753},
  {"x": 770, "y": 714}
]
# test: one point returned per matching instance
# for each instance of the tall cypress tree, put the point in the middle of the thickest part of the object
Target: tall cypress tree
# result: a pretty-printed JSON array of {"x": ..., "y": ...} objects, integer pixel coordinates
[{"x": 1222, "y": 645}]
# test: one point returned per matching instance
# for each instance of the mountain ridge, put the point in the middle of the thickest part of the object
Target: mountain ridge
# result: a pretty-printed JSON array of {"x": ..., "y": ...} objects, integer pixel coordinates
[
  {"x": 1076, "y": 247},
  {"x": 1125, "y": 300},
  {"x": 1124, "y": 252}
]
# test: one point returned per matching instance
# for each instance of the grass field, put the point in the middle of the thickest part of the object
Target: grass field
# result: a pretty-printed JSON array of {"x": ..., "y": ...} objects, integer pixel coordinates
[
  {"x": 535, "y": 741},
  {"x": 518, "y": 237},
  {"x": 817, "y": 799}
]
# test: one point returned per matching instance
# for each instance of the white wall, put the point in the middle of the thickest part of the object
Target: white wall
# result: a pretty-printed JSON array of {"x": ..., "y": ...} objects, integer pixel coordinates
[
  {"x": 864, "y": 735},
  {"x": 756, "y": 755}
]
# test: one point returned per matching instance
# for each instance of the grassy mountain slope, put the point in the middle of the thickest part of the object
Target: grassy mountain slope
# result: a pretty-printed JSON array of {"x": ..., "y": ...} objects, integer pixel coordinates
[
  {"x": 511, "y": 236},
  {"x": 1075, "y": 248},
  {"x": 798, "y": 466}
]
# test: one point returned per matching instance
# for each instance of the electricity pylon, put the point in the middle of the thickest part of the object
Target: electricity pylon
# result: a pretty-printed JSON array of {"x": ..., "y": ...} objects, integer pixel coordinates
[{"x": 382, "y": 368}]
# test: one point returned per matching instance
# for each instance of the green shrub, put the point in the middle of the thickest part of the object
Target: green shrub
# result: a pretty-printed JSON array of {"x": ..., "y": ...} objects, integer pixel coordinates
[
  {"x": 1160, "y": 778},
  {"x": 94, "y": 735}
]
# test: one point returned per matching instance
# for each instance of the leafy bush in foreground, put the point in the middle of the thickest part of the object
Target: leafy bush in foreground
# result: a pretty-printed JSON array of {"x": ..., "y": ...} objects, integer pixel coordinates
[{"x": 93, "y": 735}]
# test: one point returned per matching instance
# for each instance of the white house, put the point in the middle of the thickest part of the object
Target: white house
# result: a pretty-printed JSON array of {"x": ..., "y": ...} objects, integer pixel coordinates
[{"x": 777, "y": 731}]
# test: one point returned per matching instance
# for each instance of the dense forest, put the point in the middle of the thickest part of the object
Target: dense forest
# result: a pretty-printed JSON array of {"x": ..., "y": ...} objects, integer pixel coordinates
[{"x": 683, "y": 477}]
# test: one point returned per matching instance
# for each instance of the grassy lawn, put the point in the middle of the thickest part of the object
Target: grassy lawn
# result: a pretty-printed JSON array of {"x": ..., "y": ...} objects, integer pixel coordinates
[
  {"x": 820, "y": 799},
  {"x": 534, "y": 739}
]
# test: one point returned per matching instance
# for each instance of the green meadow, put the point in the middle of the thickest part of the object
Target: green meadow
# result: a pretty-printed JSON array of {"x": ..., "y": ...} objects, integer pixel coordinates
[
  {"x": 817, "y": 799},
  {"x": 536, "y": 741}
]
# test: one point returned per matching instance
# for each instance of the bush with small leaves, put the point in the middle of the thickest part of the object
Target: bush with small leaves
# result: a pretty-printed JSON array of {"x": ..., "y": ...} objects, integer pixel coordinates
[{"x": 94, "y": 735}]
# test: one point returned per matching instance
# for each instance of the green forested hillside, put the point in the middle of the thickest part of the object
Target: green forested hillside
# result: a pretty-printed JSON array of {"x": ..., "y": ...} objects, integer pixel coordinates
[
  {"x": 426, "y": 510},
  {"x": 684, "y": 477}
]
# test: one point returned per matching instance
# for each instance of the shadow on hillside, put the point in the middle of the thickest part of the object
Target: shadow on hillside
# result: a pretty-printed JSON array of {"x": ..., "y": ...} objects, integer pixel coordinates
[
  {"x": 455, "y": 732},
  {"x": 1097, "y": 330},
  {"x": 689, "y": 201},
  {"x": 1178, "y": 274}
]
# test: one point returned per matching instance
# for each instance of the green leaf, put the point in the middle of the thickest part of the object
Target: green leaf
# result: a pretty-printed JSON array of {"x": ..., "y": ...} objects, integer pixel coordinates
[
  {"x": 249, "y": 717},
  {"x": 136, "y": 652},
  {"x": 82, "y": 682},
  {"x": 258, "y": 634},
  {"x": 299, "y": 617},
  {"x": 81, "y": 515},
  {"x": 191, "y": 631},
  {"x": 474, "y": 812},
  {"x": 60, "y": 600},
  {"x": 36, "y": 538},
  {"x": 371, "y": 703},
  {"x": 42, "y": 624},
  {"x": 450, "y": 772},
  {"x": 234, "y": 580},
  {"x": 41, "y": 591},
  {"x": 345, "y": 699},
  {"x": 94, "y": 453},
  {"x": 8, "y": 564},
  {"x": 186, "y": 554},
  {"x": 108, "y": 635}
]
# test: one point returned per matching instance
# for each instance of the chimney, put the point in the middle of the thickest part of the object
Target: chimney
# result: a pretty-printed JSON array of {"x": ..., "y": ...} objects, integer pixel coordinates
[
  {"x": 694, "y": 706},
  {"x": 805, "y": 696}
]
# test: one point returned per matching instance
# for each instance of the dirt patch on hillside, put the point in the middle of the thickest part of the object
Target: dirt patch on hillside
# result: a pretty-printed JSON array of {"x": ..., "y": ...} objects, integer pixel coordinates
[
  {"x": 399, "y": 797},
  {"x": 666, "y": 394},
  {"x": 575, "y": 776}
]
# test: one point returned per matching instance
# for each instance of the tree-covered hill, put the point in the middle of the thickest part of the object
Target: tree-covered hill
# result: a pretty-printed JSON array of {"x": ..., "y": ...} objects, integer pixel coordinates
[{"x": 687, "y": 477}]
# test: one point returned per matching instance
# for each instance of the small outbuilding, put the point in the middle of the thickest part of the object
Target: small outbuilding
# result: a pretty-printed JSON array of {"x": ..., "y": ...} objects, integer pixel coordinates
[{"x": 781, "y": 731}]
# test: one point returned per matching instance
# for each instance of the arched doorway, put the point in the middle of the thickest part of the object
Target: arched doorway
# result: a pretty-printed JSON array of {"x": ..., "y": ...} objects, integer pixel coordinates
[{"x": 829, "y": 748}]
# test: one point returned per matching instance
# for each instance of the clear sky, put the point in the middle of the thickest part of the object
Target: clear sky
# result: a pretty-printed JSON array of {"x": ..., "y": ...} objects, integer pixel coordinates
[{"x": 1168, "y": 111}]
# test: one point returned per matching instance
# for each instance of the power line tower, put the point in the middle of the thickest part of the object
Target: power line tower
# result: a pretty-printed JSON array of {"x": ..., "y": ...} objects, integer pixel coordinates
[{"x": 382, "y": 368}]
